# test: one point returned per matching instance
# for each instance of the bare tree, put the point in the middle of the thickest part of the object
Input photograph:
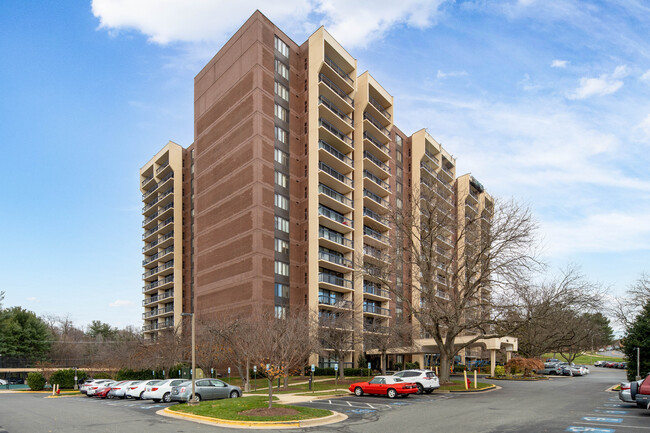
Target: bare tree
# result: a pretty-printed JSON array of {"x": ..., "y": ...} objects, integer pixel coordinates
[
  {"x": 336, "y": 333},
  {"x": 379, "y": 336},
  {"x": 554, "y": 315},
  {"x": 283, "y": 345},
  {"x": 628, "y": 307},
  {"x": 209, "y": 348},
  {"x": 464, "y": 273}
]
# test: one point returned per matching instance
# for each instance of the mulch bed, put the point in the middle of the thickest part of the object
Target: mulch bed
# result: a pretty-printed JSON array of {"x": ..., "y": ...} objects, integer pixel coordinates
[{"x": 274, "y": 411}]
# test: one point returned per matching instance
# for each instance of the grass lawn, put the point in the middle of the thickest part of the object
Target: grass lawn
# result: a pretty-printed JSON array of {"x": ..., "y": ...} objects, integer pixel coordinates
[
  {"x": 316, "y": 386},
  {"x": 459, "y": 386},
  {"x": 584, "y": 359},
  {"x": 229, "y": 408}
]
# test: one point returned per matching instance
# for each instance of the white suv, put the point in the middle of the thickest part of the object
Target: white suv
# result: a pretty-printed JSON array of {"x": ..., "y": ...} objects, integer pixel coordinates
[{"x": 426, "y": 380}]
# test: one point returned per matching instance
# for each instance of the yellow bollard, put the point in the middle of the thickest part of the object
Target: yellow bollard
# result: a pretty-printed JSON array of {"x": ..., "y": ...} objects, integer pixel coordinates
[
  {"x": 465, "y": 376},
  {"x": 475, "y": 379},
  {"x": 437, "y": 371}
]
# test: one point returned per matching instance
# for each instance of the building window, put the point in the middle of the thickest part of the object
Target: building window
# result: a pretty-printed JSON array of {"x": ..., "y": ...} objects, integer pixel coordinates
[
  {"x": 282, "y": 224},
  {"x": 281, "y": 179},
  {"x": 280, "y": 135},
  {"x": 398, "y": 141},
  {"x": 281, "y": 290},
  {"x": 398, "y": 201},
  {"x": 280, "y": 311},
  {"x": 398, "y": 187},
  {"x": 281, "y": 201},
  {"x": 398, "y": 172},
  {"x": 281, "y": 246},
  {"x": 282, "y": 268},
  {"x": 399, "y": 157},
  {"x": 281, "y": 47},
  {"x": 282, "y": 69},
  {"x": 282, "y": 91},
  {"x": 282, "y": 157},
  {"x": 281, "y": 112}
]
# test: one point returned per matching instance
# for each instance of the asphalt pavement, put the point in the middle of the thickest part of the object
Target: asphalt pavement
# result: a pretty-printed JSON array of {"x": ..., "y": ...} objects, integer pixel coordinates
[{"x": 557, "y": 405}]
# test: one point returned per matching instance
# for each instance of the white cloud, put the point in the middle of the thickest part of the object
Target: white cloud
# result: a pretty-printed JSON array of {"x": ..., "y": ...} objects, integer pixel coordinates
[
  {"x": 559, "y": 63},
  {"x": 646, "y": 75},
  {"x": 606, "y": 84},
  {"x": 353, "y": 24},
  {"x": 358, "y": 23},
  {"x": 442, "y": 75},
  {"x": 598, "y": 233},
  {"x": 120, "y": 303}
]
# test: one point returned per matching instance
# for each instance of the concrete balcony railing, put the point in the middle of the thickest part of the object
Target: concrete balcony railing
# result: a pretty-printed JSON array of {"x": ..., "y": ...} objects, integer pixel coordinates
[
  {"x": 335, "y": 302},
  {"x": 339, "y": 70},
  {"x": 334, "y": 280},
  {"x": 335, "y": 216}
]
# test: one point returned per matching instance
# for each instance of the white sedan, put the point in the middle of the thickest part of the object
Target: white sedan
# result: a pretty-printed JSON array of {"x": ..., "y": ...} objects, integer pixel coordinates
[
  {"x": 161, "y": 390},
  {"x": 3, "y": 382},
  {"x": 136, "y": 391},
  {"x": 119, "y": 389}
]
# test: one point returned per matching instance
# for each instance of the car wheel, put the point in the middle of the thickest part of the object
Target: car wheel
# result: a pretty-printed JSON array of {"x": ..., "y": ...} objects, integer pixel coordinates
[
  {"x": 358, "y": 391},
  {"x": 140, "y": 396},
  {"x": 234, "y": 394},
  {"x": 109, "y": 396},
  {"x": 420, "y": 389},
  {"x": 392, "y": 393},
  {"x": 167, "y": 397},
  {"x": 197, "y": 398}
]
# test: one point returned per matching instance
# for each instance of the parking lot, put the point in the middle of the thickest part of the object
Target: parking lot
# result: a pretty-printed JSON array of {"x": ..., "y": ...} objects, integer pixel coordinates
[{"x": 562, "y": 404}]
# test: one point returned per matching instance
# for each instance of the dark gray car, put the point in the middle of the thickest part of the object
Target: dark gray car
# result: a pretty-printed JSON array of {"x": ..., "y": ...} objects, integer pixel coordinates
[{"x": 206, "y": 389}]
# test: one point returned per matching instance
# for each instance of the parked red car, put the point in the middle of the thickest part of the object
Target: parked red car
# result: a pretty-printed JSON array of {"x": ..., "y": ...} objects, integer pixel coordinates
[
  {"x": 103, "y": 392},
  {"x": 385, "y": 385}
]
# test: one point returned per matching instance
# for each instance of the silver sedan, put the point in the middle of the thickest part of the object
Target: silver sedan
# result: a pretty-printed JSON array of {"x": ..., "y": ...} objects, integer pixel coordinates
[{"x": 206, "y": 389}]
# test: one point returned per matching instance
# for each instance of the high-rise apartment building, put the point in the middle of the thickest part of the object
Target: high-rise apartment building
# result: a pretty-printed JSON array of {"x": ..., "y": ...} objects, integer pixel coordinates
[{"x": 296, "y": 163}]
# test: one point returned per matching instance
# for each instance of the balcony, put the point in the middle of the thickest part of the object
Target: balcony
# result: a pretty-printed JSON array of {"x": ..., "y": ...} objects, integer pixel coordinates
[
  {"x": 377, "y": 238},
  {"x": 379, "y": 168},
  {"x": 166, "y": 240},
  {"x": 380, "y": 204},
  {"x": 150, "y": 259},
  {"x": 374, "y": 291},
  {"x": 146, "y": 180},
  {"x": 384, "y": 151},
  {"x": 335, "y": 302},
  {"x": 440, "y": 280},
  {"x": 374, "y": 220},
  {"x": 424, "y": 166},
  {"x": 442, "y": 294},
  {"x": 149, "y": 328},
  {"x": 166, "y": 252},
  {"x": 335, "y": 116},
  {"x": 334, "y": 220},
  {"x": 334, "y": 92},
  {"x": 147, "y": 222},
  {"x": 166, "y": 282},
  {"x": 380, "y": 109},
  {"x": 148, "y": 193},
  {"x": 335, "y": 262},
  {"x": 333, "y": 280},
  {"x": 346, "y": 80},
  {"x": 334, "y": 199},
  {"x": 151, "y": 286},
  {"x": 445, "y": 183},
  {"x": 374, "y": 254},
  {"x": 165, "y": 210},
  {"x": 446, "y": 173},
  {"x": 333, "y": 179},
  {"x": 336, "y": 159},
  {"x": 152, "y": 231},
  {"x": 377, "y": 185},
  {"x": 445, "y": 241},
  {"x": 376, "y": 126},
  {"x": 157, "y": 298},
  {"x": 473, "y": 197},
  {"x": 471, "y": 207},
  {"x": 432, "y": 157},
  {"x": 373, "y": 309},
  {"x": 334, "y": 135},
  {"x": 443, "y": 253},
  {"x": 149, "y": 205},
  {"x": 334, "y": 241},
  {"x": 162, "y": 167},
  {"x": 150, "y": 245}
]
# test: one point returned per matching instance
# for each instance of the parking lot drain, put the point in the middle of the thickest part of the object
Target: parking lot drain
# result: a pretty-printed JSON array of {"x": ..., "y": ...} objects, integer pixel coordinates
[
  {"x": 602, "y": 419},
  {"x": 574, "y": 428}
]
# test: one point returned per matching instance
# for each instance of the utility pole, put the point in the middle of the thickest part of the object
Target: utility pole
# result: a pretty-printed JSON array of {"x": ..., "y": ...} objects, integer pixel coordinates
[
  {"x": 193, "y": 401},
  {"x": 638, "y": 363}
]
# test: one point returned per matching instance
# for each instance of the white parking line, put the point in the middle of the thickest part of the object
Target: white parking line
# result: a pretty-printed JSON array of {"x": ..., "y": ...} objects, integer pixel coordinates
[{"x": 617, "y": 426}]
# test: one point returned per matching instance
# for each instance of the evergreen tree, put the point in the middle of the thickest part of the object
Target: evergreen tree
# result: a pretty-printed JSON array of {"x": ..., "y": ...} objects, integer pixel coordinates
[
  {"x": 23, "y": 334},
  {"x": 638, "y": 335}
]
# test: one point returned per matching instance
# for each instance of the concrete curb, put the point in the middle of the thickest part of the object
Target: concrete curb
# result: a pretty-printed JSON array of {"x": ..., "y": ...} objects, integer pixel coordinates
[
  {"x": 469, "y": 391},
  {"x": 334, "y": 418}
]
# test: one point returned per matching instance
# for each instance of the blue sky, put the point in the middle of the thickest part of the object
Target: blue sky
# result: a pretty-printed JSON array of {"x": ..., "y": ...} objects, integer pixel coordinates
[{"x": 545, "y": 101}]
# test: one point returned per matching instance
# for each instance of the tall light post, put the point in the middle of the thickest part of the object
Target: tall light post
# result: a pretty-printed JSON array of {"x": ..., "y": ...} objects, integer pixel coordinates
[{"x": 193, "y": 401}]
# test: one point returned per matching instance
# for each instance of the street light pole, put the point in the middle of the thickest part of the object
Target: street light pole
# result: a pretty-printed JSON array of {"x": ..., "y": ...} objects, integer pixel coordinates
[{"x": 193, "y": 401}]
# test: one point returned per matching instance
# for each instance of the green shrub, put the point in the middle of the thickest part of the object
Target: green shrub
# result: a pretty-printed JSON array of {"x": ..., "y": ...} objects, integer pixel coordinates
[
  {"x": 362, "y": 362},
  {"x": 412, "y": 365},
  {"x": 128, "y": 374},
  {"x": 499, "y": 371},
  {"x": 398, "y": 366},
  {"x": 102, "y": 375},
  {"x": 36, "y": 381},
  {"x": 459, "y": 368},
  {"x": 356, "y": 371},
  {"x": 65, "y": 378}
]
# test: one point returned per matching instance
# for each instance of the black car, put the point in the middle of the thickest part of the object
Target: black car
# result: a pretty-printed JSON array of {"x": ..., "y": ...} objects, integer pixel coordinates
[{"x": 16, "y": 381}]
